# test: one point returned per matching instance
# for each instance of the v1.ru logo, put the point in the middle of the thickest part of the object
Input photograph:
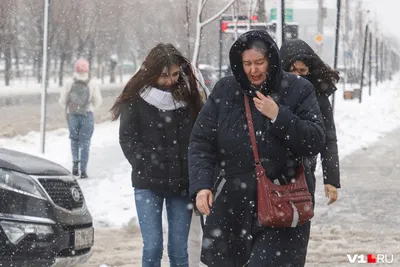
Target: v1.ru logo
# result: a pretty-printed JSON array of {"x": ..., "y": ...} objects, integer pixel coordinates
[{"x": 370, "y": 258}]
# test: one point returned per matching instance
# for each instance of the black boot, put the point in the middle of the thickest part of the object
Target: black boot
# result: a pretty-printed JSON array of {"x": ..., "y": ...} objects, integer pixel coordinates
[
  {"x": 84, "y": 175},
  {"x": 75, "y": 168}
]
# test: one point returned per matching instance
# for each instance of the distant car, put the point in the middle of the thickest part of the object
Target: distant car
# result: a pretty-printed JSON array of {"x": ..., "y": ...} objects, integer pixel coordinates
[
  {"x": 210, "y": 75},
  {"x": 226, "y": 71},
  {"x": 208, "y": 78},
  {"x": 44, "y": 220},
  {"x": 350, "y": 75}
]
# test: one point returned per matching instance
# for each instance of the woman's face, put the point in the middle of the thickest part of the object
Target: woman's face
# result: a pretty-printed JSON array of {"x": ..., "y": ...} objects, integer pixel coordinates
[
  {"x": 255, "y": 65},
  {"x": 169, "y": 77},
  {"x": 299, "y": 68}
]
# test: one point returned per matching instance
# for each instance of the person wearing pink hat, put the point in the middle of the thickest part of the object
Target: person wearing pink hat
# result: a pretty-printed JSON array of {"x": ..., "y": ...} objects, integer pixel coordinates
[
  {"x": 81, "y": 66},
  {"x": 80, "y": 98}
]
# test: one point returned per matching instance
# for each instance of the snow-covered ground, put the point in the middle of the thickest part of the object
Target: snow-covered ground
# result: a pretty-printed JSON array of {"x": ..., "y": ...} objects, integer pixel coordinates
[
  {"x": 109, "y": 193},
  {"x": 360, "y": 124}
]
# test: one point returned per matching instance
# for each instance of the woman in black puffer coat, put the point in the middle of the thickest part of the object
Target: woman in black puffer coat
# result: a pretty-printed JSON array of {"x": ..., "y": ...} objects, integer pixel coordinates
[
  {"x": 300, "y": 59},
  {"x": 288, "y": 126}
]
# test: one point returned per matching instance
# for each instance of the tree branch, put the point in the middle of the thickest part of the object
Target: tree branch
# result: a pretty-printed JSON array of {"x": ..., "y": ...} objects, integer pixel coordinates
[
  {"x": 204, "y": 2},
  {"x": 217, "y": 15}
]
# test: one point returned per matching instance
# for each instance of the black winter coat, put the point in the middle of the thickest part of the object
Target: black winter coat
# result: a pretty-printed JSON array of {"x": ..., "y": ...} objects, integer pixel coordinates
[
  {"x": 220, "y": 140},
  {"x": 155, "y": 142},
  {"x": 291, "y": 51},
  {"x": 329, "y": 153}
]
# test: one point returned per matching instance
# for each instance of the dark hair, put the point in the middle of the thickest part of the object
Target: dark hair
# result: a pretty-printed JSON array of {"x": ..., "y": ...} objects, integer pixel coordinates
[
  {"x": 161, "y": 56},
  {"x": 258, "y": 45},
  {"x": 320, "y": 73}
]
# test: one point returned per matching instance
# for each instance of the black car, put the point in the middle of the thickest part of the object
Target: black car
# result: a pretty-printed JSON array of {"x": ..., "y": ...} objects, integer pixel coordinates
[{"x": 44, "y": 220}]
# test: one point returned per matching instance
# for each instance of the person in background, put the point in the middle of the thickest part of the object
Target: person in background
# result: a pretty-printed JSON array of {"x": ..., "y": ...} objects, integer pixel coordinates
[
  {"x": 157, "y": 110},
  {"x": 300, "y": 59},
  {"x": 80, "y": 98}
]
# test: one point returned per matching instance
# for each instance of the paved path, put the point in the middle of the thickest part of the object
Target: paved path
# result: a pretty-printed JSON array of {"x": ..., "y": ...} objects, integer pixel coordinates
[
  {"x": 366, "y": 217},
  {"x": 364, "y": 220}
]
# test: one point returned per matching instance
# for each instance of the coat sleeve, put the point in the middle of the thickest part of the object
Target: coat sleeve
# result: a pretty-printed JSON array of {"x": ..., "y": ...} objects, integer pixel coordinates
[
  {"x": 129, "y": 134},
  {"x": 303, "y": 129},
  {"x": 329, "y": 153},
  {"x": 203, "y": 148}
]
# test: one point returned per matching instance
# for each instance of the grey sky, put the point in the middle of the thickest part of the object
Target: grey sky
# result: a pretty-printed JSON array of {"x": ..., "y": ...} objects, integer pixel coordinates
[{"x": 387, "y": 12}]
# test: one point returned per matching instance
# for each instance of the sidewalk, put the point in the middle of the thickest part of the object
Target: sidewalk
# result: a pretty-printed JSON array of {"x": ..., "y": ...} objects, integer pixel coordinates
[{"x": 363, "y": 221}]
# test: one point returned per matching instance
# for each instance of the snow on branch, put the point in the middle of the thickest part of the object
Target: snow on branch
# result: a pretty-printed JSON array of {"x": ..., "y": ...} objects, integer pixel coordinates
[
  {"x": 219, "y": 13},
  {"x": 201, "y": 24}
]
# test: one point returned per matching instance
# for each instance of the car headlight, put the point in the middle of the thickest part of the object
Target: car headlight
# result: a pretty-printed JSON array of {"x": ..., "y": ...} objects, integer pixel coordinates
[
  {"x": 16, "y": 231},
  {"x": 20, "y": 183}
]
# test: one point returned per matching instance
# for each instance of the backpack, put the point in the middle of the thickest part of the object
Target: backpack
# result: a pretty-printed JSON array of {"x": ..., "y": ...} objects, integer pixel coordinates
[{"x": 78, "y": 98}]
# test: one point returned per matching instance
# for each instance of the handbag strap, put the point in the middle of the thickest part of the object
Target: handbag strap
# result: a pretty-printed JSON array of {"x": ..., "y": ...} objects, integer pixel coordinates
[{"x": 251, "y": 130}]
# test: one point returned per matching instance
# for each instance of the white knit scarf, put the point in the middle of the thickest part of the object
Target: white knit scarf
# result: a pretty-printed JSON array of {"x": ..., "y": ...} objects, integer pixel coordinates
[{"x": 161, "y": 99}]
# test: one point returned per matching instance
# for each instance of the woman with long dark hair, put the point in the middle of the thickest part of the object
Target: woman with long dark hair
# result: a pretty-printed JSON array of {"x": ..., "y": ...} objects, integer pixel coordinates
[
  {"x": 157, "y": 109},
  {"x": 300, "y": 59}
]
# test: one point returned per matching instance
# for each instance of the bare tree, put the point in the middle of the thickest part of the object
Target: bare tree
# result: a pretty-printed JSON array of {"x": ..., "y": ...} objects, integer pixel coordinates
[
  {"x": 236, "y": 10},
  {"x": 98, "y": 30},
  {"x": 16, "y": 44},
  {"x": 33, "y": 17},
  {"x": 187, "y": 25},
  {"x": 200, "y": 24},
  {"x": 262, "y": 15},
  {"x": 64, "y": 44},
  {"x": 85, "y": 18},
  {"x": 7, "y": 35}
]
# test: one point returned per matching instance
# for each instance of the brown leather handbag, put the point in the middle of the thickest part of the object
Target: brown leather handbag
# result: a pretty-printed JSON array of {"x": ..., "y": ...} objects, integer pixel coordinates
[{"x": 279, "y": 206}]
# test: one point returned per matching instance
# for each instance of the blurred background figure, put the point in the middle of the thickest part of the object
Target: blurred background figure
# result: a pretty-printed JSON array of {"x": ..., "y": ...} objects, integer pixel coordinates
[{"x": 80, "y": 98}]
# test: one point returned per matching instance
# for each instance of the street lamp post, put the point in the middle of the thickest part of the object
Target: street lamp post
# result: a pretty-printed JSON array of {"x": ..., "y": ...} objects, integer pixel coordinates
[
  {"x": 377, "y": 61},
  {"x": 320, "y": 24},
  {"x": 283, "y": 20},
  {"x": 44, "y": 76},
  {"x": 220, "y": 42},
  {"x": 363, "y": 61},
  {"x": 370, "y": 63},
  {"x": 335, "y": 58},
  {"x": 279, "y": 20}
]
